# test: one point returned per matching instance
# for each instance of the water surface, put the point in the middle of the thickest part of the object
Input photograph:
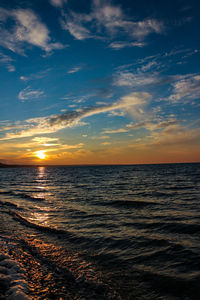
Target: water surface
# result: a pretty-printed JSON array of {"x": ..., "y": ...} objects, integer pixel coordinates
[{"x": 135, "y": 229}]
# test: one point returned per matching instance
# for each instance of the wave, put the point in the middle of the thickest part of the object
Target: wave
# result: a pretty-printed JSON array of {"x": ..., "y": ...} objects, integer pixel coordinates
[
  {"x": 182, "y": 228},
  {"x": 29, "y": 197},
  {"x": 9, "y": 204},
  {"x": 128, "y": 203},
  {"x": 172, "y": 227},
  {"x": 30, "y": 224},
  {"x": 22, "y": 195},
  {"x": 110, "y": 243},
  {"x": 5, "y": 192},
  {"x": 177, "y": 188},
  {"x": 152, "y": 193}
]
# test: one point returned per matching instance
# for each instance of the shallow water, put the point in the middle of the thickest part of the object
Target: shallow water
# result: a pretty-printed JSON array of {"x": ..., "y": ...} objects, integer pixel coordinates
[{"x": 133, "y": 229}]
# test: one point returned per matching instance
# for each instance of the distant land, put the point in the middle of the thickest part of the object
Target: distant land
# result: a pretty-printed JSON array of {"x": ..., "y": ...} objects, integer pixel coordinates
[
  {"x": 2, "y": 165},
  {"x": 18, "y": 166}
]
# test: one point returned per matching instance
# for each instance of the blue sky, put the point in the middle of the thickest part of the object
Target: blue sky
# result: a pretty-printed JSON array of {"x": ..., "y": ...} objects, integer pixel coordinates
[{"x": 99, "y": 81}]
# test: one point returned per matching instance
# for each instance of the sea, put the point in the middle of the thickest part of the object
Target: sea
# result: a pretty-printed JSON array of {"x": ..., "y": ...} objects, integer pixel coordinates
[{"x": 104, "y": 232}]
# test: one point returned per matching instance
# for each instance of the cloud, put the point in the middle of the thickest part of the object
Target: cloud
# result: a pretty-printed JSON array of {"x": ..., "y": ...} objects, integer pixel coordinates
[
  {"x": 176, "y": 135},
  {"x": 7, "y": 61},
  {"x": 26, "y": 28},
  {"x": 151, "y": 71},
  {"x": 142, "y": 73},
  {"x": 106, "y": 19},
  {"x": 172, "y": 144},
  {"x": 131, "y": 103},
  {"x": 74, "y": 70},
  {"x": 58, "y": 3},
  {"x": 46, "y": 141},
  {"x": 187, "y": 88},
  {"x": 151, "y": 125},
  {"x": 106, "y": 143},
  {"x": 133, "y": 100},
  {"x": 149, "y": 66},
  {"x": 33, "y": 76},
  {"x": 77, "y": 146},
  {"x": 42, "y": 140},
  {"x": 120, "y": 130},
  {"x": 27, "y": 150},
  {"x": 121, "y": 45},
  {"x": 28, "y": 94},
  {"x": 113, "y": 19},
  {"x": 126, "y": 78},
  {"x": 63, "y": 147},
  {"x": 24, "y": 78},
  {"x": 75, "y": 28}
]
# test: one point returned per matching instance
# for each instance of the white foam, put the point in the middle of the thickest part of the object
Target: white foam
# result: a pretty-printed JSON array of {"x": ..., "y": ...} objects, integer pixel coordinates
[{"x": 12, "y": 273}]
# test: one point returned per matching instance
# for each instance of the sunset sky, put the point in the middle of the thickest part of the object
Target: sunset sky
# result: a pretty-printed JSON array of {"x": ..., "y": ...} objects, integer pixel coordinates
[{"x": 99, "y": 82}]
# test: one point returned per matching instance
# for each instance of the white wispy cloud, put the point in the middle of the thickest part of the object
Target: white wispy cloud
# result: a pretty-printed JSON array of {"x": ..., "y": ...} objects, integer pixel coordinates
[
  {"x": 142, "y": 73},
  {"x": 74, "y": 70},
  {"x": 58, "y": 3},
  {"x": 121, "y": 45},
  {"x": 28, "y": 94},
  {"x": 34, "y": 76},
  {"x": 75, "y": 28},
  {"x": 149, "y": 65},
  {"x": 109, "y": 18},
  {"x": 7, "y": 61},
  {"x": 126, "y": 78},
  {"x": 151, "y": 70},
  {"x": 27, "y": 28},
  {"x": 131, "y": 103},
  {"x": 114, "y": 20},
  {"x": 187, "y": 88}
]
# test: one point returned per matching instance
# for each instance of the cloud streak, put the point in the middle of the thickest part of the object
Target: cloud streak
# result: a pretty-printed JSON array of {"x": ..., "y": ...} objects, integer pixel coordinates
[
  {"x": 129, "y": 103},
  {"x": 7, "y": 61},
  {"x": 29, "y": 94},
  {"x": 74, "y": 70},
  {"x": 120, "y": 45},
  {"x": 151, "y": 125}
]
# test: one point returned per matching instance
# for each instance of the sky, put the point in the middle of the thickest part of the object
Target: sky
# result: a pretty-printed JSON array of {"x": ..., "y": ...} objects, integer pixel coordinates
[{"x": 99, "y": 82}]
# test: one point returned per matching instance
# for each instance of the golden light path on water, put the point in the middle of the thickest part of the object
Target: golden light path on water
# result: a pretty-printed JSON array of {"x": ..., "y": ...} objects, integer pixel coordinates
[{"x": 42, "y": 215}]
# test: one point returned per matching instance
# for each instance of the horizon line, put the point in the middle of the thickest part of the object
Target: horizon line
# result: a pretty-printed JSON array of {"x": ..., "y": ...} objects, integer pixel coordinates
[{"x": 2, "y": 165}]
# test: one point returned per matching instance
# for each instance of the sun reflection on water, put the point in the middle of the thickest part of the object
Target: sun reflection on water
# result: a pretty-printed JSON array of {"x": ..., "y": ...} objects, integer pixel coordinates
[
  {"x": 40, "y": 218},
  {"x": 42, "y": 182},
  {"x": 41, "y": 172}
]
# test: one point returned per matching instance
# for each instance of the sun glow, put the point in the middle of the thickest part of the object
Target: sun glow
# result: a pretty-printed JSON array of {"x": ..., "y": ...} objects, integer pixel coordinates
[{"x": 40, "y": 154}]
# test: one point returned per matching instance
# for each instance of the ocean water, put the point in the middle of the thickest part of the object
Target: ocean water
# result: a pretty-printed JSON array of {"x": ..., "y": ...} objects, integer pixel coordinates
[{"x": 105, "y": 232}]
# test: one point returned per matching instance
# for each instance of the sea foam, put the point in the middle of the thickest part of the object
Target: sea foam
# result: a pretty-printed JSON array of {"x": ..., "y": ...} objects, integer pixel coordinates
[{"x": 12, "y": 279}]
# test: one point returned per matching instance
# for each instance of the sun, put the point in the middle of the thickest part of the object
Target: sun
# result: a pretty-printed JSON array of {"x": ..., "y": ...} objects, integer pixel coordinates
[{"x": 40, "y": 154}]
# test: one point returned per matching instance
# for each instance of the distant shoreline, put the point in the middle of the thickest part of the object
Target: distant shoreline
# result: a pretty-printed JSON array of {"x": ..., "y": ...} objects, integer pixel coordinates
[{"x": 91, "y": 165}]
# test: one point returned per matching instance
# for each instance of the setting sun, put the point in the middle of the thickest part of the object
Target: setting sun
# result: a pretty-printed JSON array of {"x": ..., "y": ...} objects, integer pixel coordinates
[{"x": 40, "y": 154}]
